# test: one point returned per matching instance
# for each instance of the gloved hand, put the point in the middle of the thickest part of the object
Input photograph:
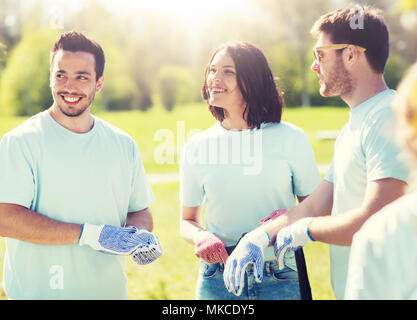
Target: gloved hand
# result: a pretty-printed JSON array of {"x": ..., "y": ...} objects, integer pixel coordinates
[
  {"x": 149, "y": 249},
  {"x": 209, "y": 247},
  {"x": 248, "y": 251},
  {"x": 110, "y": 239},
  {"x": 290, "y": 238}
]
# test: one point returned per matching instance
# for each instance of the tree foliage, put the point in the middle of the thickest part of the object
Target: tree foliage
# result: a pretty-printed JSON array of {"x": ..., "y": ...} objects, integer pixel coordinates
[
  {"x": 156, "y": 56},
  {"x": 24, "y": 84},
  {"x": 174, "y": 85}
]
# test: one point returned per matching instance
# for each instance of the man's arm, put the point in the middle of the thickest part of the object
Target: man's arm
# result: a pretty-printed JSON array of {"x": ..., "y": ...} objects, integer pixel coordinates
[
  {"x": 141, "y": 219},
  {"x": 339, "y": 230},
  {"x": 23, "y": 224},
  {"x": 319, "y": 203}
]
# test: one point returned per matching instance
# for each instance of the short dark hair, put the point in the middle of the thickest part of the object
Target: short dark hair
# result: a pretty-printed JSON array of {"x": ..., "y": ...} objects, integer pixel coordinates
[
  {"x": 372, "y": 35},
  {"x": 76, "y": 41},
  {"x": 255, "y": 81}
]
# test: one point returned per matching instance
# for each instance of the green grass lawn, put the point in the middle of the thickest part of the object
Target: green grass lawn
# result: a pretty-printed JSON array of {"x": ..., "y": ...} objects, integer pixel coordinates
[
  {"x": 174, "y": 275},
  {"x": 145, "y": 127}
]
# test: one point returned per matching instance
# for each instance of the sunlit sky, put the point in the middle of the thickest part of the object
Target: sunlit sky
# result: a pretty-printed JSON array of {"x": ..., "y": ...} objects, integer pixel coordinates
[{"x": 195, "y": 12}]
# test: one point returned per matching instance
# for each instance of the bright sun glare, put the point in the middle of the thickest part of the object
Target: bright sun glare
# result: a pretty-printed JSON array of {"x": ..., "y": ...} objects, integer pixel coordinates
[{"x": 195, "y": 12}]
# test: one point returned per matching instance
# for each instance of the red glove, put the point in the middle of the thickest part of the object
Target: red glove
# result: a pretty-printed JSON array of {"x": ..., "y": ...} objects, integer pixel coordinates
[
  {"x": 273, "y": 215},
  {"x": 209, "y": 247}
]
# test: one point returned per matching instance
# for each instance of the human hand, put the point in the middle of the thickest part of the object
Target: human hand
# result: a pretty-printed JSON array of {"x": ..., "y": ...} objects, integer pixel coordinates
[
  {"x": 110, "y": 239},
  {"x": 248, "y": 251},
  {"x": 290, "y": 238},
  {"x": 209, "y": 247},
  {"x": 149, "y": 249}
]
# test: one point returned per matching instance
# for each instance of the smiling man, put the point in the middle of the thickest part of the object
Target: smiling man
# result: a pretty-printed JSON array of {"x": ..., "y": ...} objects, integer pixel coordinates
[
  {"x": 366, "y": 172},
  {"x": 74, "y": 196}
]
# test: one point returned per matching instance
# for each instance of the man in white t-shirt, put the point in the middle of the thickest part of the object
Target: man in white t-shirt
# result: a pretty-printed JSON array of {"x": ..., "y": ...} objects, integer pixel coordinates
[
  {"x": 366, "y": 172},
  {"x": 383, "y": 259},
  {"x": 74, "y": 196}
]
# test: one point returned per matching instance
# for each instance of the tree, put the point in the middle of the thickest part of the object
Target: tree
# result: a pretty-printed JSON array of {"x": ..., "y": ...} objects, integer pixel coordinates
[
  {"x": 294, "y": 20},
  {"x": 119, "y": 91},
  {"x": 24, "y": 85},
  {"x": 174, "y": 85}
]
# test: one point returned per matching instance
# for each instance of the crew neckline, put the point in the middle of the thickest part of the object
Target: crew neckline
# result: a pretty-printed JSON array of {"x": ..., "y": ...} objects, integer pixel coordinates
[
  {"x": 68, "y": 132},
  {"x": 263, "y": 125},
  {"x": 360, "y": 108}
]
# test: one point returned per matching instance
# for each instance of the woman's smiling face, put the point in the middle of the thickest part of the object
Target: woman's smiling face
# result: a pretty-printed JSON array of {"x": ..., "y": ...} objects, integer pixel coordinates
[{"x": 222, "y": 83}]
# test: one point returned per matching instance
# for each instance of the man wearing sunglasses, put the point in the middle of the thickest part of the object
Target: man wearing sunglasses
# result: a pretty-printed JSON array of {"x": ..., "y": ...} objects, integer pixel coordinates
[{"x": 366, "y": 171}]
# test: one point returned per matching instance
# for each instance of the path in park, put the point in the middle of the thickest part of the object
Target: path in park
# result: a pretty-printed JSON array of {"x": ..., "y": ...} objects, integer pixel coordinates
[{"x": 158, "y": 178}]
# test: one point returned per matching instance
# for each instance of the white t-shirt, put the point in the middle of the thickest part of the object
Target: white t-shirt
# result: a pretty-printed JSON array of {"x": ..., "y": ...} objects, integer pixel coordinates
[
  {"x": 383, "y": 259},
  {"x": 364, "y": 151},
  {"x": 245, "y": 175},
  {"x": 96, "y": 177}
]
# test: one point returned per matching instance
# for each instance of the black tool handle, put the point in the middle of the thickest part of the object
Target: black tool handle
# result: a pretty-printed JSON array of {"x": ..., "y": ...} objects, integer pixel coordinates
[{"x": 304, "y": 283}]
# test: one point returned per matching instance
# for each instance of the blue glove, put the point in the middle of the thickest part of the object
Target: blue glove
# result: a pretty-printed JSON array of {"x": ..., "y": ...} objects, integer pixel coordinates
[
  {"x": 110, "y": 239},
  {"x": 149, "y": 250},
  {"x": 248, "y": 251},
  {"x": 291, "y": 238}
]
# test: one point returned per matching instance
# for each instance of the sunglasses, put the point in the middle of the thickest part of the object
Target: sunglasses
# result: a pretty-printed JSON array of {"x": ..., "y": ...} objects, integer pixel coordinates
[{"x": 336, "y": 46}]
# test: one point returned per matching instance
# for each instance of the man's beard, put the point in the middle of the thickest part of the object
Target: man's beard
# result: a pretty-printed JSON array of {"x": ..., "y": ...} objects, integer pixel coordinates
[
  {"x": 77, "y": 112},
  {"x": 338, "y": 82}
]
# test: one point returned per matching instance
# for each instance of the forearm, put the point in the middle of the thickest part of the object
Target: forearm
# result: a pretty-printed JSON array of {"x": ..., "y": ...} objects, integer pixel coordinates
[
  {"x": 140, "y": 219},
  {"x": 338, "y": 230},
  {"x": 20, "y": 223},
  {"x": 189, "y": 229},
  {"x": 319, "y": 203}
]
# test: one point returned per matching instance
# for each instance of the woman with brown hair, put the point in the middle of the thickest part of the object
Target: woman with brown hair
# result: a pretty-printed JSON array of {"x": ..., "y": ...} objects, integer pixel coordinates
[{"x": 244, "y": 167}]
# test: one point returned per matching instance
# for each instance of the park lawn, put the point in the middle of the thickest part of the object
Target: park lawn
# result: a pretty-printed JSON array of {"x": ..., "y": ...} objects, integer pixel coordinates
[
  {"x": 154, "y": 129},
  {"x": 146, "y": 126}
]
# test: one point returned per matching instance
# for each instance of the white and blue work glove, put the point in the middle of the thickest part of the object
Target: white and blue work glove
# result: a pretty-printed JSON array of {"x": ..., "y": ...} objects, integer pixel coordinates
[
  {"x": 291, "y": 238},
  {"x": 149, "y": 250},
  {"x": 119, "y": 240},
  {"x": 248, "y": 251}
]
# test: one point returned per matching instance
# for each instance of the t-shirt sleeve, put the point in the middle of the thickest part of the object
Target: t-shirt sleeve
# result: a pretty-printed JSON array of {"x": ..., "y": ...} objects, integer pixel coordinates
[
  {"x": 329, "y": 174},
  {"x": 306, "y": 176},
  {"x": 142, "y": 195},
  {"x": 191, "y": 187},
  {"x": 382, "y": 154},
  {"x": 16, "y": 172}
]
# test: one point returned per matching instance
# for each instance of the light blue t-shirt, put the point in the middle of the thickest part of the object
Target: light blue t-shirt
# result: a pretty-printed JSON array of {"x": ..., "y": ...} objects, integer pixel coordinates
[
  {"x": 96, "y": 177},
  {"x": 383, "y": 259},
  {"x": 245, "y": 175},
  {"x": 364, "y": 151}
]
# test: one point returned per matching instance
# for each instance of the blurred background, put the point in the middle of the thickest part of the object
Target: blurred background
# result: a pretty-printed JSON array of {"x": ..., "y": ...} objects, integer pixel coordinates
[{"x": 156, "y": 50}]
